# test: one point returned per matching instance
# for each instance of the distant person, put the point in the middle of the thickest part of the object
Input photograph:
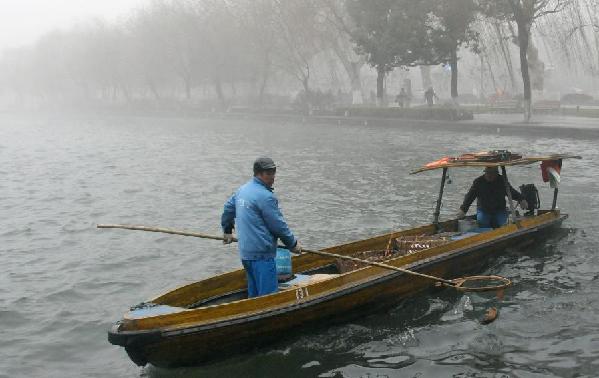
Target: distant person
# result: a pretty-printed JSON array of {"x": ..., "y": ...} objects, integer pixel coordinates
[
  {"x": 402, "y": 98},
  {"x": 254, "y": 211},
  {"x": 429, "y": 95},
  {"x": 489, "y": 190}
]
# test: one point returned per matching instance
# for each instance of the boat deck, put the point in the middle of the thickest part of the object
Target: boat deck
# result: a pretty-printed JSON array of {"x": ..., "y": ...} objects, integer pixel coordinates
[{"x": 312, "y": 276}]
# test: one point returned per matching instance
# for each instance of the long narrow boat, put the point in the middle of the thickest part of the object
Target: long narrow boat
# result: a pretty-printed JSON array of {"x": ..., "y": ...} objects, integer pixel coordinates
[{"x": 212, "y": 318}]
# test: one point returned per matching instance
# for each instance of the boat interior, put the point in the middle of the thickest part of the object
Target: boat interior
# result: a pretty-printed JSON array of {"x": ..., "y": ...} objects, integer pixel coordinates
[{"x": 231, "y": 286}]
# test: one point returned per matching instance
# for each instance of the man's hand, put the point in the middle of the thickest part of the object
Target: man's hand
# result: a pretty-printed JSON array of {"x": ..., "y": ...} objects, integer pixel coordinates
[
  {"x": 227, "y": 238},
  {"x": 460, "y": 214},
  {"x": 524, "y": 205},
  {"x": 298, "y": 248}
]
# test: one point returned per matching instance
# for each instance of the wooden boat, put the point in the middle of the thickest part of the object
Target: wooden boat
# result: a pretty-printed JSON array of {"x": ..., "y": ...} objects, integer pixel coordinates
[{"x": 212, "y": 318}]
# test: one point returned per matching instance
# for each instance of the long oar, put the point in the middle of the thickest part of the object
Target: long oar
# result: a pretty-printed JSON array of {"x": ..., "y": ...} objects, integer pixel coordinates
[{"x": 456, "y": 283}]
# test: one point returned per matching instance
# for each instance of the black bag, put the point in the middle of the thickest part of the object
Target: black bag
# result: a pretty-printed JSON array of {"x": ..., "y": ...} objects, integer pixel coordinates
[{"x": 531, "y": 195}]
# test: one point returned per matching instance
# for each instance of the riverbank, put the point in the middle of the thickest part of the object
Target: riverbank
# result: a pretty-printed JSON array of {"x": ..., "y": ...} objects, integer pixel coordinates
[
  {"x": 490, "y": 123},
  {"x": 547, "y": 125}
]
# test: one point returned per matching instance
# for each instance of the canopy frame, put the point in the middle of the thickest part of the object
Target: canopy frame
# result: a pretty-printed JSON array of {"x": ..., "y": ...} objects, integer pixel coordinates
[
  {"x": 445, "y": 165},
  {"x": 478, "y": 163},
  {"x": 508, "y": 190},
  {"x": 437, "y": 212}
]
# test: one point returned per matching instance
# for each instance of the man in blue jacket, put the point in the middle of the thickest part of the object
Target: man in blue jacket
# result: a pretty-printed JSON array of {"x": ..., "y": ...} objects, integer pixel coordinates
[{"x": 254, "y": 211}]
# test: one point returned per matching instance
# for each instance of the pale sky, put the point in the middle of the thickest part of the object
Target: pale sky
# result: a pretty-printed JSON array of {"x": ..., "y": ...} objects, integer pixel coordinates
[{"x": 24, "y": 21}]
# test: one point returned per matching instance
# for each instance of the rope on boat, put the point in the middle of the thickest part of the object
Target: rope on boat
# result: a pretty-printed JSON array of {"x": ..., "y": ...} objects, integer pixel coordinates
[{"x": 457, "y": 283}]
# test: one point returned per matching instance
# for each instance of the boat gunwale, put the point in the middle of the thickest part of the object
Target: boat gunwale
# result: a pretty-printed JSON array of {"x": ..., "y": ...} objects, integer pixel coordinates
[
  {"x": 340, "y": 290},
  {"x": 358, "y": 285},
  {"x": 411, "y": 231}
]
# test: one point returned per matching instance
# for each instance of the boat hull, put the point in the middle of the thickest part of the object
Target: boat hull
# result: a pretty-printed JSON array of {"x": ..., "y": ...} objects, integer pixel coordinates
[{"x": 200, "y": 343}]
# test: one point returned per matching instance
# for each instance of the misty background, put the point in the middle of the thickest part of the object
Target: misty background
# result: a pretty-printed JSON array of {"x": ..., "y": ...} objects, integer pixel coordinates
[{"x": 301, "y": 55}]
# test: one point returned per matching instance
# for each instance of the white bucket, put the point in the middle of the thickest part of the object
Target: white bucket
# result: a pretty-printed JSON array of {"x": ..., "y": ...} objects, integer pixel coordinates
[{"x": 465, "y": 225}]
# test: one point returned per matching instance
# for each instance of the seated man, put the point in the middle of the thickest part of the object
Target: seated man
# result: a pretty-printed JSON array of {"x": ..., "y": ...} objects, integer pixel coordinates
[{"x": 489, "y": 189}]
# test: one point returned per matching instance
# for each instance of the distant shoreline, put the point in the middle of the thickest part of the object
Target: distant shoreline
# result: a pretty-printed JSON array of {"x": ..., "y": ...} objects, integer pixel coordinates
[{"x": 541, "y": 126}]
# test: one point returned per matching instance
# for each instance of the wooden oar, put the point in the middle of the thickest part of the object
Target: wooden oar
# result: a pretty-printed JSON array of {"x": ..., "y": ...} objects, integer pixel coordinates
[
  {"x": 456, "y": 283},
  {"x": 162, "y": 230}
]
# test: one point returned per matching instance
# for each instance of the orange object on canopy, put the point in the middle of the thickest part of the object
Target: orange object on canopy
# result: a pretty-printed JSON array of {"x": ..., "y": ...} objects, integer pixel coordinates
[{"x": 513, "y": 159}]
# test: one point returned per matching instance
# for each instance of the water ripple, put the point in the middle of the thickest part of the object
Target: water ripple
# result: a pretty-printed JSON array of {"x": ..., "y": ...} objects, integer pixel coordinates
[{"x": 65, "y": 281}]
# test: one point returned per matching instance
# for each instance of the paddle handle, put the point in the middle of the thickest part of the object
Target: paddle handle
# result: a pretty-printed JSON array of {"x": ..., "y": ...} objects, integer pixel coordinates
[
  {"x": 328, "y": 254},
  {"x": 162, "y": 230}
]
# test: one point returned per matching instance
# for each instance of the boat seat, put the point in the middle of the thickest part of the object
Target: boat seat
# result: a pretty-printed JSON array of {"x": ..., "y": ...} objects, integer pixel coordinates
[
  {"x": 301, "y": 280},
  {"x": 146, "y": 312},
  {"x": 472, "y": 232}
]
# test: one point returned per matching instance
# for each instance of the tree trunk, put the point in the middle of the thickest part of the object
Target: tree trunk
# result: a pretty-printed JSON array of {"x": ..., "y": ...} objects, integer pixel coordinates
[
  {"x": 425, "y": 75},
  {"x": 125, "y": 91},
  {"x": 153, "y": 88},
  {"x": 265, "y": 72},
  {"x": 308, "y": 93},
  {"x": 454, "y": 75},
  {"x": 490, "y": 70},
  {"x": 262, "y": 90},
  {"x": 356, "y": 83},
  {"x": 187, "y": 83},
  {"x": 219, "y": 92},
  {"x": 352, "y": 68},
  {"x": 482, "y": 77},
  {"x": 380, "y": 81},
  {"x": 523, "y": 38},
  {"x": 505, "y": 52}
]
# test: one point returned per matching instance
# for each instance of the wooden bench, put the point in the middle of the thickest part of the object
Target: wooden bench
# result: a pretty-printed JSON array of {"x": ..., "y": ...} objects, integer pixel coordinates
[
  {"x": 506, "y": 106},
  {"x": 547, "y": 106}
]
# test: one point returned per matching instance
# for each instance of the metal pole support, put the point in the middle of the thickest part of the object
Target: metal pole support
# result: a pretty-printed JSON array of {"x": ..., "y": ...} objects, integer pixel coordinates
[
  {"x": 438, "y": 208},
  {"x": 509, "y": 195}
]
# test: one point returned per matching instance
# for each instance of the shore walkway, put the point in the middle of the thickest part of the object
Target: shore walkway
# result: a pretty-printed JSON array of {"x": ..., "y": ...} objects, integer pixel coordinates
[{"x": 543, "y": 120}]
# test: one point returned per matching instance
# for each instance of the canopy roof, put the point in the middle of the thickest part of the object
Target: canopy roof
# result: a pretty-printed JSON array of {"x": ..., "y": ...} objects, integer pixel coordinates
[{"x": 489, "y": 159}]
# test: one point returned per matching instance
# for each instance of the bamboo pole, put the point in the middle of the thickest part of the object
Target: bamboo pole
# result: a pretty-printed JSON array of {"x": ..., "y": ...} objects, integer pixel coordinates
[
  {"x": 455, "y": 283},
  {"x": 162, "y": 230},
  {"x": 327, "y": 254}
]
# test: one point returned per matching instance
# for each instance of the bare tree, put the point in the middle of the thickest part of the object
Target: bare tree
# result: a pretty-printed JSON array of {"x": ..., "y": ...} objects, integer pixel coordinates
[
  {"x": 297, "y": 41},
  {"x": 524, "y": 13},
  {"x": 258, "y": 20},
  {"x": 339, "y": 41}
]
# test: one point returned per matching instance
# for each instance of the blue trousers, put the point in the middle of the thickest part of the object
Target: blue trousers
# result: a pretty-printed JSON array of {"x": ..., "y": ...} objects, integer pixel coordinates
[
  {"x": 496, "y": 219},
  {"x": 261, "y": 277}
]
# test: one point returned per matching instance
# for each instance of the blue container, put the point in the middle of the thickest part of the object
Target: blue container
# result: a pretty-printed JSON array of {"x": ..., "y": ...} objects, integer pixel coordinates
[{"x": 283, "y": 261}]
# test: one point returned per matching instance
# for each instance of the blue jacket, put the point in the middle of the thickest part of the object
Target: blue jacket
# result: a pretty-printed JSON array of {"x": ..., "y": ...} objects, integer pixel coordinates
[{"x": 254, "y": 211}]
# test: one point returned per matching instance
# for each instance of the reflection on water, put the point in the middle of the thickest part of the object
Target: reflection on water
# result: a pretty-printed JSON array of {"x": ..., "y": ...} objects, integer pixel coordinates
[{"x": 65, "y": 281}]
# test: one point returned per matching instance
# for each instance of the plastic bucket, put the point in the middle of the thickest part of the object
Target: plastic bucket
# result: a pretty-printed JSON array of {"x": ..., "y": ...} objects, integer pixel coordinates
[{"x": 283, "y": 262}]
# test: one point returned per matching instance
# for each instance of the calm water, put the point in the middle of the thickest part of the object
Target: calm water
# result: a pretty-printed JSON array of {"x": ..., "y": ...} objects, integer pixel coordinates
[{"x": 64, "y": 281}]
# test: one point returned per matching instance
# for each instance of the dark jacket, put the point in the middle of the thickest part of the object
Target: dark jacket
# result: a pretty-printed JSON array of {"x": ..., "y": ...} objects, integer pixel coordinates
[
  {"x": 490, "y": 195},
  {"x": 254, "y": 210}
]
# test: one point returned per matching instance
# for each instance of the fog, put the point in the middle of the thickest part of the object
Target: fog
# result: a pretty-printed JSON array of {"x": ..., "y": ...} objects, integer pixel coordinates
[
  {"x": 22, "y": 22},
  {"x": 295, "y": 55}
]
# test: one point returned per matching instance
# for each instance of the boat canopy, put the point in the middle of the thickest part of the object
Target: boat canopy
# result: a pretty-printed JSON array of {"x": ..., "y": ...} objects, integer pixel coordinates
[{"x": 490, "y": 159}]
